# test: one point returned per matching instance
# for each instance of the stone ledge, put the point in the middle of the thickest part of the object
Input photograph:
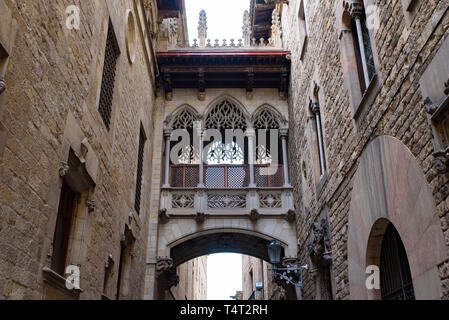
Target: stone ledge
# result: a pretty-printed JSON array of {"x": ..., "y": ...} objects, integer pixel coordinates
[{"x": 58, "y": 282}]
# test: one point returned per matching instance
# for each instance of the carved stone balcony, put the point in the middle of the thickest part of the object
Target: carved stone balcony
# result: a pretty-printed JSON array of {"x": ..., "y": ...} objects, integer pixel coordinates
[{"x": 226, "y": 191}]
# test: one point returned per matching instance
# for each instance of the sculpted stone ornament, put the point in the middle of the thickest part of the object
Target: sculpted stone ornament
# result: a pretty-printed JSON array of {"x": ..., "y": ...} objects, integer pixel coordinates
[
  {"x": 163, "y": 216},
  {"x": 246, "y": 29},
  {"x": 2, "y": 85},
  {"x": 291, "y": 216},
  {"x": 320, "y": 246},
  {"x": 166, "y": 271},
  {"x": 441, "y": 161},
  {"x": 163, "y": 265},
  {"x": 254, "y": 215},
  {"x": 446, "y": 85},
  {"x": 429, "y": 106},
  {"x": 63, "y": 169},
  {"x": 91, "y": 205},
  {"x": 200, "y": 217}
]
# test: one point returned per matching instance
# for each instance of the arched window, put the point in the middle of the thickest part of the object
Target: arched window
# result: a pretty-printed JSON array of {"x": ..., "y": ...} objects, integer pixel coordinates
[
  {"x": 265, "y": 121},
  {"x": 226, "y": 116},
  {"x": 362, "y": 43},
  {"x": 395, "y": 276}
]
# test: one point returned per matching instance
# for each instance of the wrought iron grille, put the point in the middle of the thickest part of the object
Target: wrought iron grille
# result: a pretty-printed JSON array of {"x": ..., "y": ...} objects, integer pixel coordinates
[
  {"x": 226, "y": 176},
  {"x": 107, "y": 84},
  {"x": 139, "y": 170},
  {"x": 269, "y": 176},
  {"x": 395, "y": 277},
  {"x": 184, "y": 176}
]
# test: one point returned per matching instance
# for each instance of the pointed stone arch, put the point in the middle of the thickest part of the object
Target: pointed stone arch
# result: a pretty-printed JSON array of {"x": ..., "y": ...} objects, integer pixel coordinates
[
  {"x": 271, "y": 112},
  {"x": 179, "y": 118},
  {"x": 235, "y": 112},
  {"x": 389, "y": 185}
]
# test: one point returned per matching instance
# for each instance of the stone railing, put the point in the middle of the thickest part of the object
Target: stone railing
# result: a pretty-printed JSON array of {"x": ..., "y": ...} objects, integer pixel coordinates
[
  {"x": 230, "y": 44},
  {"x": 242, "y": 201}
]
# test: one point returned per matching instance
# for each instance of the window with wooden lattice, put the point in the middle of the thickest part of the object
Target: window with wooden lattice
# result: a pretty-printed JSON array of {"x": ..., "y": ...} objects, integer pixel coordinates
[{"x": 109, "y": 69}]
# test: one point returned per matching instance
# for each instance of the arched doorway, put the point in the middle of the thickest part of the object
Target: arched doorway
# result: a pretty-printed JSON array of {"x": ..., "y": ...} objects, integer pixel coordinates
[
  {"x": 395, "y": 276},
  {"x": 390, "y": 187}
]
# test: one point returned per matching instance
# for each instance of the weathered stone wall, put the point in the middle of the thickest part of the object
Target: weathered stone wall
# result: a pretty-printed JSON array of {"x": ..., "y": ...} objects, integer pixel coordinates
[
  {"x": 404, "y": 50},
  {"x": 53, "y": 81}
]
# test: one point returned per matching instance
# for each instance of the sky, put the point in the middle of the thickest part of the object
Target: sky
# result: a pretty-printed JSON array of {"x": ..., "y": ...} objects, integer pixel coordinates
[
  {"x": 224, "y": 18},
  {"x": 224, "y": 275}
]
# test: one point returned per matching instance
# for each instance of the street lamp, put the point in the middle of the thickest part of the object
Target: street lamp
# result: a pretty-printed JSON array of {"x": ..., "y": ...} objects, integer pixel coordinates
[{"x": 291, "y": 265}]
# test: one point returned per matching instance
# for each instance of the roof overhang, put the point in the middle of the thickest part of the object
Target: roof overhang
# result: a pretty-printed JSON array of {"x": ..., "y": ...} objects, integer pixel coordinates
[{"x": 224, "y": 68}]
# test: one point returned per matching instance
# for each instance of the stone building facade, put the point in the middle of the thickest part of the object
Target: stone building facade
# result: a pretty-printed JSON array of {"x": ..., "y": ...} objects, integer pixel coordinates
[
  {"x": 381, "y": 163},
  {"x": 53, "y": 136},
  {"x": 91, "y": 92},
  {"x": 192, "y": 280}
]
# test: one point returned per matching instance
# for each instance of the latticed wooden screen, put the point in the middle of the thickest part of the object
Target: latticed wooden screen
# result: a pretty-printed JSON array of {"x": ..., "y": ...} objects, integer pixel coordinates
[
  {"x": 226, "y": 176},
  {"x": 269, "y": 176},
  {"x": 107, "y": 84},
  {"x": 184, "y": 176},
  {"x": 139, "y": 170}
]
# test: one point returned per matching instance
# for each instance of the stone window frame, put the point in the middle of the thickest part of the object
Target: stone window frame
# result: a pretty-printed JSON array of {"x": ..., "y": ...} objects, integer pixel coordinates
[
  {"x": 302, "y": 27},
  {"x": 317, "y": 95},
  {"x": 78, "y": 167},
  {"x": 410, "y": 9},
  {"x": 8, "y": 32},
  {"x": 360, "y": 102}
]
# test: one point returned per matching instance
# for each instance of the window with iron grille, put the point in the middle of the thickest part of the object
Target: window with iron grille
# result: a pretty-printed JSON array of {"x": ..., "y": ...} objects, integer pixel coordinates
[
  {"x": 107, "y": 85},
  {"x": 395, "y": 277},
  {"x": 142, "y": 139}
]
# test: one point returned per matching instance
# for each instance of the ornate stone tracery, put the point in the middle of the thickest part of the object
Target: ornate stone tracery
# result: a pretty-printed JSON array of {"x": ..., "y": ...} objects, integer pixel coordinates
[
  {"x": 226, "y": 115},
  {"x": 183, "y": 120},
  {"x": 266, "y": 119}
]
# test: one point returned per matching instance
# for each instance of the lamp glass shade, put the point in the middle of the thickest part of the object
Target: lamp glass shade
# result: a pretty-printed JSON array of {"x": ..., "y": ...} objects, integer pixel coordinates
[{"x": 274, "y": 252}]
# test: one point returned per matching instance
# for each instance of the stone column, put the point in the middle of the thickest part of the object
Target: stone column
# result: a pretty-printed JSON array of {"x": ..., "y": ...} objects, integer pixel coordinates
[
  {"x": 356, "y": 13},
  {"x": 199, "y": 137},
  {"x": 284, "y": 135},
  {"x": 167, "y": 136},
  {"x": 251, "y": 134}
]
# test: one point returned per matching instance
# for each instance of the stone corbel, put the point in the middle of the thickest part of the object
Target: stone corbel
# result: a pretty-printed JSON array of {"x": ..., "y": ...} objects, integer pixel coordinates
[
  {"x": 91, "y": 205},
  {"x": 164, "y": 217},
  {"x": 63, "y": 169},
  {"x": 165, "y": 270},
  {"x": 430, "y": 106},
  {"x": 291, "y": 216},
  {"x": 254, "y": 215},
  {"x": 441, "y": 161},
  {"x": 201, "y": 86},
  {"x": 200, "y": 217}
]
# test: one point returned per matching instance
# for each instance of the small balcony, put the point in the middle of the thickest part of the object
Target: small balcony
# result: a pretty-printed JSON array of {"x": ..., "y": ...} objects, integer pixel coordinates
[
  {"x": 226, "y": 189},
  {"x": 226, "y": 176}
]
